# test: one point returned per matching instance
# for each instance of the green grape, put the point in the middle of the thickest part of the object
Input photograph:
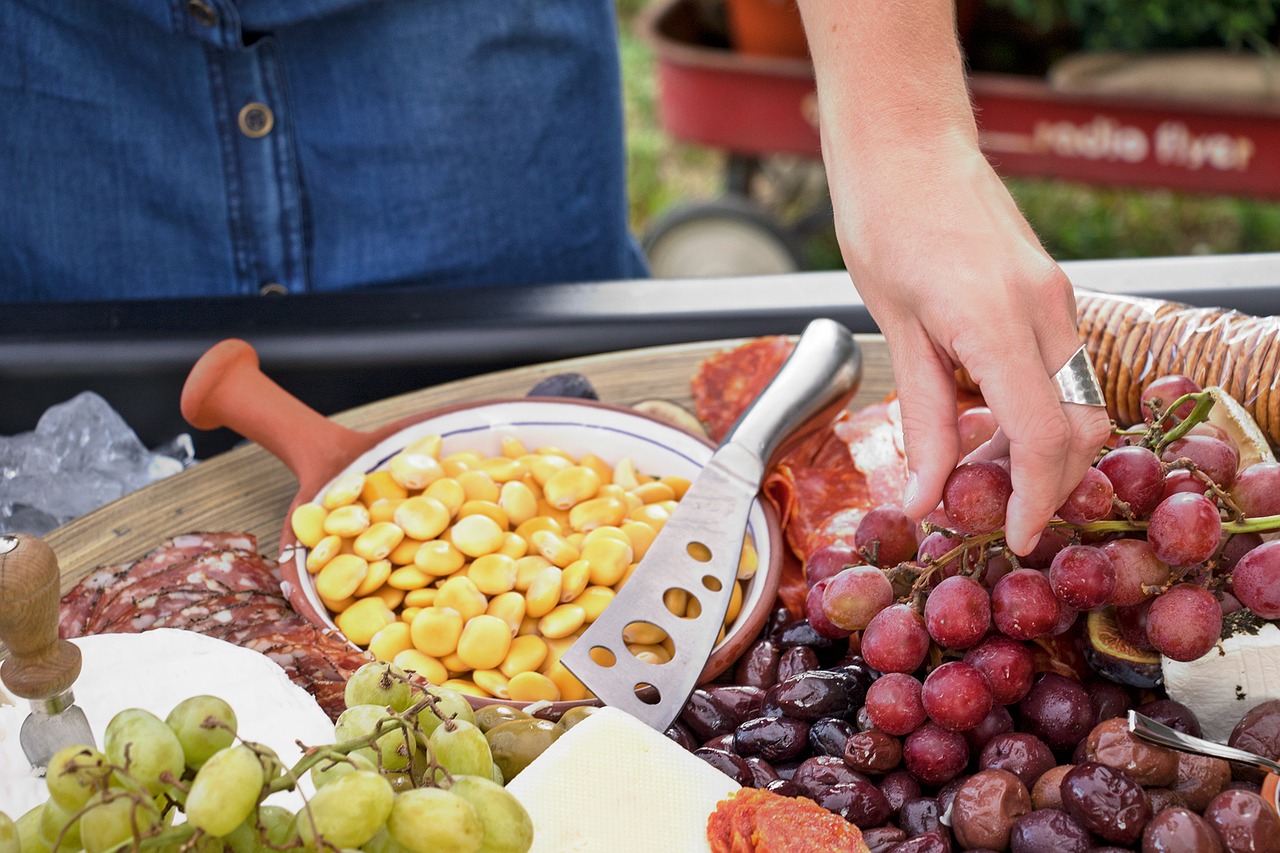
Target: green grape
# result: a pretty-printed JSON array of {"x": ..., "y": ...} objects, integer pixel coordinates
[
  {"x": 152, "y": 747},
  {"x": 507, "y": 826},
  {"x": 204, "y": 725},
  {"x": 278, "y": 824},
  {"x": 28, "y": 829},
  {"x": 450, "y": 704},
  {"x": 359, "y": 721},
  {"x": 382, "y": 842},
  {"x": 225, "y": 790},
  {"x": 74, "y": 773},
  {"x": 244, "y": 838},
  {"x": 348, "y": 811},
  {"x": 496, "y": 775},
  {"x": 431, "y": 820},
  {"x": 461, "y": 748},
  {"x": 55, "y": 823},
  {"x": 340, "y": 765},
  {"x": 111, "y": 821},
  {"x": 9, "y": 842},
  {"x": 379, "y": 683}
]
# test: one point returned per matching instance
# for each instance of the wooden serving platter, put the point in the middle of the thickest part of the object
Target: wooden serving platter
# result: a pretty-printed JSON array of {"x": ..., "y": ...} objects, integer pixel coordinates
[{"x": 248, "y": 490}]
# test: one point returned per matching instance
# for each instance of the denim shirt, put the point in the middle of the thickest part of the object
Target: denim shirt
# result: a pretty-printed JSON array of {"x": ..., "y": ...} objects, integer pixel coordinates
[{"x": 169, "y": 148}]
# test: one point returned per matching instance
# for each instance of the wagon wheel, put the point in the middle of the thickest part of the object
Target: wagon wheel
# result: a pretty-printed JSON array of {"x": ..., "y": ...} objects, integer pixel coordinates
[{"x": 726, "y": 237}]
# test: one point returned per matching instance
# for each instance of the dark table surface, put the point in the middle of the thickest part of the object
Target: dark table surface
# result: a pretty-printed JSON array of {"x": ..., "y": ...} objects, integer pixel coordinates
[{"x": 341, "y": 350}]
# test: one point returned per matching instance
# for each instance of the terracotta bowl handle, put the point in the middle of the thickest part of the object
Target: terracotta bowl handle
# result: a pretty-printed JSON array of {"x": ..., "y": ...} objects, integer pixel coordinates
[{"x": 227, "y": 388}]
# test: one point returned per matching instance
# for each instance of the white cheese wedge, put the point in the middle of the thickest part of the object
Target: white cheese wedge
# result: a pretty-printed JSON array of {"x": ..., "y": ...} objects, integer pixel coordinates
[
  {"x": 1239, "y": 673},
  {"x": 611, "y": 784},
  {"x": 156, "y": 670}
]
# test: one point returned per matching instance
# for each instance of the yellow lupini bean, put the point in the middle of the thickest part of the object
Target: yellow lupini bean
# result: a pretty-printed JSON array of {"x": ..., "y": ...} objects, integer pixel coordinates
[
  {"x": 526, "y": 529},
  {"x": 344, "y": 490},
  {"x": 532, "y": 687},
  {"x": 654, "y": 492},
  {"x": 624, "y": 473},
  {"x": 363, "y": 619},
  {"x": 571, "y": 486},
  {"x": 493, "y": 574},
  {"x": 608, "y": 559},
  {"x": 513, "y": 546},
  {"x": 439, "y": 558},
  {"x": 424, "y": 597},
  {"x": 654, "y": 515},
  {"x": 323, "y": 551},
  {"x": 607, "y": 531},
  {"x": 428, "y": 444},
  {"x": 469, "y": 688},
  {"x": 412, "y": 660},
  {"x": 559, "y": 516},
  {"x": 676, "y": 600},
  {"x": 378, "y": 541},
  {"x": 484, "y": 642},
  {"x": 337, "y": 605},
  {"x": 307, "y": 522},
  {"x": 679, "y": 485},
  {"x": 510, "y": 608},
  {"x": 597, "y": 512},
  {"x": 435, "y": 631},
  {"x": 562, "y": 621},
  {"x": 749, "y": 562},
  {"x": 408, "y": 614},
  {"x": 376, "y": 574},
  {"x": 390, "y": 641},
  {"x": 557, "y": 549},
  {"x": 573, "y": 580},
  {"x": 347, "y": 521},
  {"x": 477, "y": 535},
  {"x": 641, "y": 536},
  {"x": 503, "y": 468},
  {"x": 384, "y": 509},
  {"x": 518, "y": 501},
  {"x": 449, "y": 492},
  {"x": 594, "y": 600},
  {"x": 489, "y": 508},
  {"x": 512, "y": 447},
  {"x": 390, "y": 596},
  {"x": 460, "y": 593},
  {"x": 575, "y": 539},
  {"x": 544, "y": 466},
  {"x": 422, "y": 517},
  {"x": 341, "y": 576},
  {"x": 527, "y": 568},
  {"x": 571, "y": 689},
  {"x": 644, "y": 633},
  {"x": 478, "y": 486},
  {"x": 603, "y": 469},
  {"x": 649, "y": 654},
  {"x": 526, "y": 654},
  {"x": 454, "y": 664},
  {"x": 491, "y": 682},
  {"x": 408, "y": 577},
  {"x": 544, "y": 592},
  {"x": 735, "y": 603},
  {"x": 380, "y": 485},
  {"x": 414, "y": 471},
  {"x": 405, "y": 552}
]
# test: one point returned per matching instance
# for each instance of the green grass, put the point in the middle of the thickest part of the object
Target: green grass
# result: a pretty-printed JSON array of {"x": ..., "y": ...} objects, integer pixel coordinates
[{"x": 1073, "y": 220}]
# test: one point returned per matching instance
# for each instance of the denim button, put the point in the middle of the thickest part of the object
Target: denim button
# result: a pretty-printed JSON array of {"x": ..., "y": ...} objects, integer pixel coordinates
[
  {"x": 256, "y": 120},
  {"x": 202, "y": 12},
  {"x": 275, "y": 288}
]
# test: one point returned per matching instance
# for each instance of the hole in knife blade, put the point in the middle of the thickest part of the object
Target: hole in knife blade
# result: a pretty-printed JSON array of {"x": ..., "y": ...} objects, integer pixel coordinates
[
  {"x": 699, "y": 552},
  {"x": 683, "y": 603},
  {"x": 602, "y": 656},
  {"x": 648, "y": 693},
  {"x": 712, "y": 583}
]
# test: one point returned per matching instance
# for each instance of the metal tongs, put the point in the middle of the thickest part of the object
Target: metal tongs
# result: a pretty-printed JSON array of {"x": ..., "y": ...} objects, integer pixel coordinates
[{"x": 1160, "y": 734}]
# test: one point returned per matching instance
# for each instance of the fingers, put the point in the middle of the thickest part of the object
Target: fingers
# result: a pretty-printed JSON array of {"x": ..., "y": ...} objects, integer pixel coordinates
[{"x": 927, "y": 396}]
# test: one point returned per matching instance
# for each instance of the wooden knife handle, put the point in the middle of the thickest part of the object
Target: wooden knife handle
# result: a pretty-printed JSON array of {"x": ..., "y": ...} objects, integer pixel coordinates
[{"x": 39, "y": 665}]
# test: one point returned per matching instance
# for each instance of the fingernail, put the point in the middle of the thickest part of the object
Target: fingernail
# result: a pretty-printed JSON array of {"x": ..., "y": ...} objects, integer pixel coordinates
[
  {"x": 1033, "y": 542},
  {"x": 913, "y": 488}
]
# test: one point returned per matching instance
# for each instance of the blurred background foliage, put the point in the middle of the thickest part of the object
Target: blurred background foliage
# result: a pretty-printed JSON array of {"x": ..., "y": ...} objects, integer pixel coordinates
[{"x": 1073, "y": 220}]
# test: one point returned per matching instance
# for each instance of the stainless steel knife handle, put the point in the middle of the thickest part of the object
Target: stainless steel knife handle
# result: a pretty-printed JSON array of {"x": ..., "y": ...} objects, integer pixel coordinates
[
  {"x": 40, "y": 666},
  {"x": 823, "y": 370}
]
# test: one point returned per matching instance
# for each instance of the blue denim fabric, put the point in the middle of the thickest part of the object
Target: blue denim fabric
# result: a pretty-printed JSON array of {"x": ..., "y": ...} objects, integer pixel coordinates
[{"x": 414, "y": 142}]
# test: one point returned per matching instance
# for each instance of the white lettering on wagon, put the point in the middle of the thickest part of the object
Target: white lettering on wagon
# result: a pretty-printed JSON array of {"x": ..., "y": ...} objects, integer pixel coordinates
[{"x": 1105, "y": 138}]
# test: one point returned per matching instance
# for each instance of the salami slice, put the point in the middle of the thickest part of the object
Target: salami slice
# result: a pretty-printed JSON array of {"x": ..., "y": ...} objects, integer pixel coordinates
[
  {"x": 752, "y": 820},
  {"x": 727, "y": 382},
  {"x": 81, "y": 601}
]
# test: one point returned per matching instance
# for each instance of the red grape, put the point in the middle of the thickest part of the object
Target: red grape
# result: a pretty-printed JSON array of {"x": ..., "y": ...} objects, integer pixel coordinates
[
  {"x": 1137, "y": 567},
  {"x": 1185, "y": 622},
  {"x": 817, "y": 616},
  {"x": 887, "y": 534},
  {"x": 1023, "y": 605},
  {"x": 1067, "y": 616},
  {"x": 1050, "y": 543},
  {"x": 956, "y": 696},
  {"x": 1137, "y": 475},
  {"x": 1162, "y": 393},
  {"x": 1131, "y": 622},
  {"x": 895, "y": 640},
  {"x": 1007, "y": 664},
  {"x": 856, "y": 594},
  {"x": 1237, "y": 546},
  {"x": 976, "y": 496},
  {"x": 829, "y": 560},
  {"x": 1181, "y": 481},
  {"x": 1216, "y": 458},
  {"x": 1257, "y": 489},
  {"x": 1090, "y": 500},
  {"x": 894, "y": 705},
  {"x": 935, "y": 545},
  {"x": 1082, "y": 576},
  {"x": 934, "y": 755},
  {"x": 957, "y": 612},
  {"x": 1256, "y": 580},
  {"x": 1185, "y": 529},
  {"x": 976, "y": 426}
]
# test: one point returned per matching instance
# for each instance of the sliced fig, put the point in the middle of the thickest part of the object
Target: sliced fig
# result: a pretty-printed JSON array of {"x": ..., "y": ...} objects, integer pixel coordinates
[
  {"x": 1114, "y": 657},
  {"x": 672, "y": 413}
]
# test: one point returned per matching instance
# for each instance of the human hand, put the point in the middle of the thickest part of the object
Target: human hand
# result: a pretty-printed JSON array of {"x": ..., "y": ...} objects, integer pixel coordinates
[{"x": 955, "y": 277}]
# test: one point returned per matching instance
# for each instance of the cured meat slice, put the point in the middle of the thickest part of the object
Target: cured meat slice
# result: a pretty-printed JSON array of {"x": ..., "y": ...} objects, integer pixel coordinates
[
  {"x": 81, "y": 600},
  {"x": 727, "y": 382},
  {"x": 752, "y": 820}
]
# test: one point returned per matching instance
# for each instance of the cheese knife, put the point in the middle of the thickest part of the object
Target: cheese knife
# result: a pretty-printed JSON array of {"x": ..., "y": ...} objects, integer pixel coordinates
[{"x": 40, "y": 668}]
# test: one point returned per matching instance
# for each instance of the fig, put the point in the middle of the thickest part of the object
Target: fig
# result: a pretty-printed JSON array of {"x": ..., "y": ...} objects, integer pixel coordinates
[
  {"x": 672, "y": 413},
  {"x": 573, "y": 385},
  {"x": 1115, "y": 658}
]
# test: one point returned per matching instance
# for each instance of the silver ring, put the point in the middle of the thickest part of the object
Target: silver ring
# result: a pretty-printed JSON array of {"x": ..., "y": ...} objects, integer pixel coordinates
[{"x": 1078, "y": 383}]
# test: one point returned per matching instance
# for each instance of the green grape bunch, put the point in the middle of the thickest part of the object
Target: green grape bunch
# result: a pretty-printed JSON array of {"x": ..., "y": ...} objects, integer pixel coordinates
[{"x": 410, "y": 772}]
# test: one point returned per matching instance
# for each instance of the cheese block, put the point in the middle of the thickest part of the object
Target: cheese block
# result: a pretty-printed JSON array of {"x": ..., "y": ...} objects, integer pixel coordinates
[
  {"x": 612, "y": 783},
  {"x": 1242, "y": 671},
  {"x": 156, "y": 670}
]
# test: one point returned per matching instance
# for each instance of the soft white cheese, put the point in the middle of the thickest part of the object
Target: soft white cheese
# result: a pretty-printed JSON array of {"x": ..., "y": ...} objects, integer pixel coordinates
[
  {"x": 611, "y": 784},
  {"x": 156, "y": 670},
  {"x": 1240, "y": 672}
]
